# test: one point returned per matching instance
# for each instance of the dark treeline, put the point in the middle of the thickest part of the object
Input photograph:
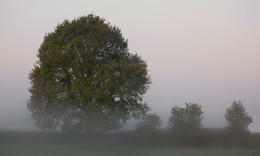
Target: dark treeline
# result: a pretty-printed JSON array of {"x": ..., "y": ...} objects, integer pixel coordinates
[
  {"x": 213, "y": 138},
  {"x": 199, "y": 138},
  {"x": 184, "y": 130},
  {"x": 188, "y": 120}
]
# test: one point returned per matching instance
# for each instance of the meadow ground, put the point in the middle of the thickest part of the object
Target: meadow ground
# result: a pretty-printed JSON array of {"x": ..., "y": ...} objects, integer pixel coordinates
[
  {"x": 25, "y": 143},
  {"x": 111, "y": 150}
]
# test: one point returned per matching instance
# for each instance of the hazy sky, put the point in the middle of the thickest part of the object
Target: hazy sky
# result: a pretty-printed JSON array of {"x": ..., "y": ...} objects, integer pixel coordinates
[{"x": 201, "y": 51}]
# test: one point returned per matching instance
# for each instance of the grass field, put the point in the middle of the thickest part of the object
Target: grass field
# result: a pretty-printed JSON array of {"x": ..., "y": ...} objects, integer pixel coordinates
[
  {"x": 19, "y": 143},
  {"x": 106, "y": 150}
]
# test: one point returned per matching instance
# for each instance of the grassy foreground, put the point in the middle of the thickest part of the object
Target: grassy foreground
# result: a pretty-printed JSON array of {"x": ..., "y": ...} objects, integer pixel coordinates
[
  {"x": 108, "y": 150},
  {"x": 19, "y": 143}
]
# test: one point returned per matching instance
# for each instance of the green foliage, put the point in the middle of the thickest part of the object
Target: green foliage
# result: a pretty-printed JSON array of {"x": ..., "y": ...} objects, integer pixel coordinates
[
  {"x": 150, "y": 121},
  {"x": 188, "y": 118},
  {"x": 237, "y": 118},
  {"x": 86, "y": 80}
]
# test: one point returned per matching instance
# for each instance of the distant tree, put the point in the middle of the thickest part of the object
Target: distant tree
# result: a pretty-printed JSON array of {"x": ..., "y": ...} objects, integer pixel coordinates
[
  {"x": 237, "y": 118},
  {"x": 150, "y": 121},
  {"x": 185, "y": 119},
  {"x": 86, "y": 80}
]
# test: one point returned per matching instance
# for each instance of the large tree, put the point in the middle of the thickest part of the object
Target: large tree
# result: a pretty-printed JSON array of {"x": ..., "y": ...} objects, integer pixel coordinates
[
  {"x": 187, "y": 118},
  {"x": 237, "y": 118},
  {"x": 86, "y": 80}
]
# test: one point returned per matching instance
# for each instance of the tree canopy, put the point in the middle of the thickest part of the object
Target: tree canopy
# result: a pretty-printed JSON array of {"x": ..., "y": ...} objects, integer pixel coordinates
[
  {"x": 237, "y": 118},
  {"x": 86, "y": 80},
  {"x": 150, "y": 121},
  {"x": 187, "y": 118}
]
